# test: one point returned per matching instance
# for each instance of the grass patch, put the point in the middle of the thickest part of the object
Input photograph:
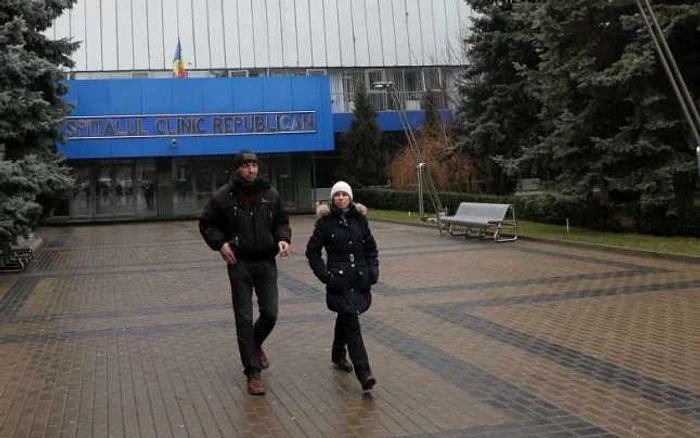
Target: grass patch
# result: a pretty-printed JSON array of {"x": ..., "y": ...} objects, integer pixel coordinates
[{"x": 669, "y": 245}]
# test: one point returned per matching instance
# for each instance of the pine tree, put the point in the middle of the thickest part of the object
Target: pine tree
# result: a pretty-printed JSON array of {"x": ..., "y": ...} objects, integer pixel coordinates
[
  {"x": 613, "y": 131},
  {"x": 31, "y": 112},
  {"x": 433, "y": 122},
  {"x": 21, "y": 182},
  {"x": 575, "y": 93},
  {"x": 364, "y": 156},
  {"x": 497, "y": 115}
]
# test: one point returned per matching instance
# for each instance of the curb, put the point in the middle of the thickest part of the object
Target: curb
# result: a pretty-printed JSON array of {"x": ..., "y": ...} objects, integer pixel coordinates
[
  {"x": 586, "y": 245},
  {"x": 617, "y": 249},
  {"x": 90, "y": 222}
]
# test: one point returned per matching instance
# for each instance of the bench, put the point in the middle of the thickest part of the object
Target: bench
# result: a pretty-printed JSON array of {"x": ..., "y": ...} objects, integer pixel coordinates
[
  {"x": 14, "y": 259},
  {"x": 479, "y": 219}
]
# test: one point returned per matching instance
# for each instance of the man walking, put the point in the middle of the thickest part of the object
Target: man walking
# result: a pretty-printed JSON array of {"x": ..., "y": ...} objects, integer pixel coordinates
[{"x": 245, "y": 222}]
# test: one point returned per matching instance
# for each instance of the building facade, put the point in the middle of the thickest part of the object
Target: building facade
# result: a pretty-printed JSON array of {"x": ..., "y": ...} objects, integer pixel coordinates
[{"x": 259, "y": 49}]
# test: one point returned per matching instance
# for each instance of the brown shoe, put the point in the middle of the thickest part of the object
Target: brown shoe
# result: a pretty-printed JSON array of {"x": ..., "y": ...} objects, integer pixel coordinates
[
  {"x": 262, "y": 357},
  {"x": 255, "y": 385}
]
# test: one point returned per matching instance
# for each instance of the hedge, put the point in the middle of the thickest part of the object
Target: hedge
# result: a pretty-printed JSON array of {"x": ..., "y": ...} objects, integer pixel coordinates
[{"x": 546, "y": 208}]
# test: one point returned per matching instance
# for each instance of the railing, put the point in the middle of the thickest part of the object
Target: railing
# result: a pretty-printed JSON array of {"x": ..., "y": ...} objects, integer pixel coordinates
[{"x": 410, "y": 100}]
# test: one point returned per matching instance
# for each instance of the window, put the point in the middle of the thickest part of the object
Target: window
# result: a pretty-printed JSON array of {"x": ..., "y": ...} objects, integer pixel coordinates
[
  {"x": 377, "y": 96},
  {"x": 413, "y": 80},
  {"x": 238, "y": 73},
  {"x": 395, "y": 76},
  {"x": 316, "y": 72},
  {"x": 286, "y": 72},
  {"x": 351, "y": 80},
  {"x": 374, "y": 76},
  {"x": 431, "y": 76},
  {"x": 348, "y": 83},
  {"x": 139, "y": 75},
  {"x": 200, "y": 74}
]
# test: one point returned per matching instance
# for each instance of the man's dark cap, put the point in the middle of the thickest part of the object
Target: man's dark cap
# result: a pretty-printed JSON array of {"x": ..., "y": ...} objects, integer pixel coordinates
[{"x": 244, "y": 157}]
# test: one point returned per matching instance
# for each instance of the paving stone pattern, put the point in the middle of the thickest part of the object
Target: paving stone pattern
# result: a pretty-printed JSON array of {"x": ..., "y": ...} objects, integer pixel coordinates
[{"x": 127, "y": 331}]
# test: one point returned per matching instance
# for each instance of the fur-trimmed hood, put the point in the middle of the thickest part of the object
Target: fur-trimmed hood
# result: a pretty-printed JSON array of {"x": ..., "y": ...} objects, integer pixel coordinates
[{"x": 325, "y": 209}]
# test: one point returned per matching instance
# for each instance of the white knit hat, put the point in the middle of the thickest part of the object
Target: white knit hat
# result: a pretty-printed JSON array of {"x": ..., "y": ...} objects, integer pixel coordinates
[{"x": 341, "y": 186}]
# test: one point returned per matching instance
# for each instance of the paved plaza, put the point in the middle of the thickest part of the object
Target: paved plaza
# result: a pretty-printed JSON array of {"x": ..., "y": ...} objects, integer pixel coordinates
[{"x": 127, "y": 331}]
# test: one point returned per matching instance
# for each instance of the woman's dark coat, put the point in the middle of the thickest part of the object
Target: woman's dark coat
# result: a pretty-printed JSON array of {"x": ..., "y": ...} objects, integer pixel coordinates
[{"x": 352, "y": 266}]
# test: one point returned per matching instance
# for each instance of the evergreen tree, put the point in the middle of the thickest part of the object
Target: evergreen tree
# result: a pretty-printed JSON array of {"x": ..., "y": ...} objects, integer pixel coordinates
[
  {"x": 575, "y": 92},
  {"x": 613, "y": 131},
  {"x": 31, "y": 111},
  {"x": 21, "y": 182},
  {"x": 364, "y": 158},
  {"x": 433, "y": 122},
  {"x": 497, "y": 115}
]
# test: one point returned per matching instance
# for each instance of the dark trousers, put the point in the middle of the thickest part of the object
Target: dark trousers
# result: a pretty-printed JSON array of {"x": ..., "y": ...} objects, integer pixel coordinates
[
  {"x": 246, "y": 276},
  {"x": 347, "y": 333}
]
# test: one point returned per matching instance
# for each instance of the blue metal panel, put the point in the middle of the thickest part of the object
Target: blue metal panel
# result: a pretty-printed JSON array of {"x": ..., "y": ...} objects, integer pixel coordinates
[
  {"x": 156, "y": 99},
  {"x": 249, "y": 96},
  {"x": 149, "y": 97},
  {"x": 389, "y": 120},
  {"x": 219, "y": 96}
]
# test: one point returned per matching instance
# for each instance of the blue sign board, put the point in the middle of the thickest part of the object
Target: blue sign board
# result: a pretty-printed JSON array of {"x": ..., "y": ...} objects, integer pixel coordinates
[
  {"x": 189, "y": 125},
  {"x": 213, "y": 116}
]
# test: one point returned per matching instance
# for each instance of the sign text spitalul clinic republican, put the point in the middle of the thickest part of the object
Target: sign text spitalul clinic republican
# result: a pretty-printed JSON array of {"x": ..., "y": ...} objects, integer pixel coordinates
[{"x": 189, "y": 125}]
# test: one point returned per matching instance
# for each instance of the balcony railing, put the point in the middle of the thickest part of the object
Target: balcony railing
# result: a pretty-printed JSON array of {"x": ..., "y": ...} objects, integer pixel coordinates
[{"x": 381, "y": 101}]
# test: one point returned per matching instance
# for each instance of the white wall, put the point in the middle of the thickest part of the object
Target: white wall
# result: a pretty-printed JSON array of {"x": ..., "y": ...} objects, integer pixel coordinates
[{"x": 241, "y": 34}]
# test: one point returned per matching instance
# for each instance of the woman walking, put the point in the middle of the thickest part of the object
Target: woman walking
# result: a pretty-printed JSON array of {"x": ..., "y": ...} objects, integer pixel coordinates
[{"x": 351, "y": 268}]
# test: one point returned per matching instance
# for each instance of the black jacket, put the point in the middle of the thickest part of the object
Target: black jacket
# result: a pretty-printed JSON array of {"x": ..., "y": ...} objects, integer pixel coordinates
[
  {"x": 352, "y": 265},
  {"x": 253, "y": 230}
]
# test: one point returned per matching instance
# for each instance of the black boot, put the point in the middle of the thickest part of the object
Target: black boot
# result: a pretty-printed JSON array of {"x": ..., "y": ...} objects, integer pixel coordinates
[
  {"x": 342, "y": 365},
  {"x": 368, "y": 383}
]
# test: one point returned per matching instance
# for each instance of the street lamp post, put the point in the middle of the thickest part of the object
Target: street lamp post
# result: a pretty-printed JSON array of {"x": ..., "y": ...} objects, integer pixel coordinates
[
  {"x": 421, "y": 208},
  {"x": 425, "y": 180}
]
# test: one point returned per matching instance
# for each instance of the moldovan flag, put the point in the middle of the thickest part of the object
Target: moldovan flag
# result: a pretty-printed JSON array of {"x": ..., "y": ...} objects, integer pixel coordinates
[{"x": 178, "y": 62}]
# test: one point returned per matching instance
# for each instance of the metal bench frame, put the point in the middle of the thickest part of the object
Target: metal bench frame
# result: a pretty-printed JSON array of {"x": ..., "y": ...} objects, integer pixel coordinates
[
  {"x": 14, "y": 259},
  {"x": 469, "y": 221}
]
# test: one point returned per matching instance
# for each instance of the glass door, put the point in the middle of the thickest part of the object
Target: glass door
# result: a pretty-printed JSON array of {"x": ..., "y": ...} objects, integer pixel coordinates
[
  {"x": 286, "y": 185},
  {"x": 145, "y": 187},
  {"x": 84, "y": 201}
]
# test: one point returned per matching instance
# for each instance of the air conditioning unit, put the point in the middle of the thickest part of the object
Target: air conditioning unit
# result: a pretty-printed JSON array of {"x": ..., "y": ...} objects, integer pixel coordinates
[
  {"x": 316, "y": 72},
  {"x": 412, "y": 105},
  {"x": 238, "y": 73}
]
